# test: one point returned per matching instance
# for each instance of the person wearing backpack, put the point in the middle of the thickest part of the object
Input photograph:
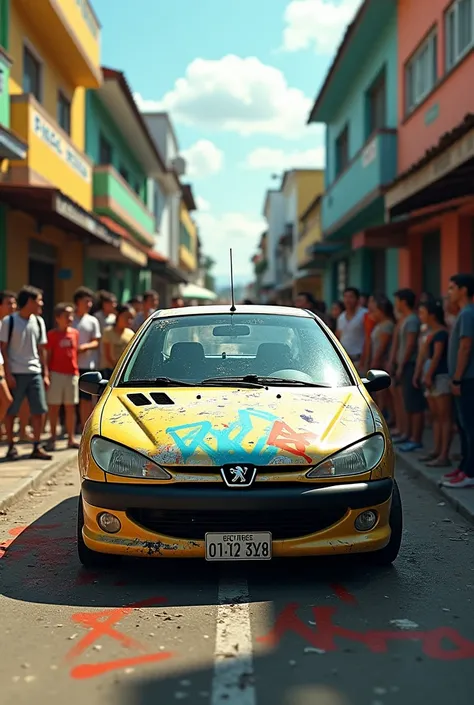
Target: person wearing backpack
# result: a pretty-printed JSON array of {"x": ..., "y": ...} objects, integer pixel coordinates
[{"x": 23, "y": 344}]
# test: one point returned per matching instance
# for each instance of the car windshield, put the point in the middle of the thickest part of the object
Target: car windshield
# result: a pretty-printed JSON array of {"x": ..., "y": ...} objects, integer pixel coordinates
[{"x": 224, "y": 346}]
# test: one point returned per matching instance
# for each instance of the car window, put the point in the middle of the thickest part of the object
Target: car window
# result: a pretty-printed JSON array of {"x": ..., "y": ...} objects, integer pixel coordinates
[{"x": 193, "y": 348}]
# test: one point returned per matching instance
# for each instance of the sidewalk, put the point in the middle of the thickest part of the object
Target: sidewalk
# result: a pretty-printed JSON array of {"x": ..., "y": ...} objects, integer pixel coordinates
[
  {"x": 18, "y": 477},
  {"x": 461, "y": 500}
]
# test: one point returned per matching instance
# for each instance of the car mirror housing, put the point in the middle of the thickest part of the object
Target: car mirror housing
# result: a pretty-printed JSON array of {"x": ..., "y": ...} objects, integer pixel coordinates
[
  {"x": 92, "y": 383},
  {"x": 376, "y": 381}
]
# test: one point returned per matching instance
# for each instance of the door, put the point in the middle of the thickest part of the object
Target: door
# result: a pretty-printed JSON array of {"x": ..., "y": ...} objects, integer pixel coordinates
[
  {"x": 379, "y": 282},
  {"x": 431, "y": 271},
  {"x": 42, "y": 274}
]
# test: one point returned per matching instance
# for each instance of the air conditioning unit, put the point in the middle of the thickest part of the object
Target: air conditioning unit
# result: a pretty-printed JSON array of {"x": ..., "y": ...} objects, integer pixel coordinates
[{"x": 179, "y": 166}]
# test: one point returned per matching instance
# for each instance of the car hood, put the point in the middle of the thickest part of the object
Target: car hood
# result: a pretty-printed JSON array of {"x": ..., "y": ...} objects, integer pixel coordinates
[{"x": 210, "y": 427}]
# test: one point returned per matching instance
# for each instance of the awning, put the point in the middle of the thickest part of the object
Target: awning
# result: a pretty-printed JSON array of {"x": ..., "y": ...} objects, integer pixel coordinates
[
  {"x": 49, "y": 206},
  {"x": 307, "y": 273},
  {"x": 193, "y": 291},
  {"x": 444, "y": 173},
  {"x": 11, "y": 146},
  {"x": 129, "y": 248},
  {"x": 164, "y": 269}
]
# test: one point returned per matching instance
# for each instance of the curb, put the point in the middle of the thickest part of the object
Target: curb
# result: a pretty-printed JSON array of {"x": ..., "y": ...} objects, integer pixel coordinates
[
  {"x": 36, "y": 478},
  {"x": 461, "y": 500}
]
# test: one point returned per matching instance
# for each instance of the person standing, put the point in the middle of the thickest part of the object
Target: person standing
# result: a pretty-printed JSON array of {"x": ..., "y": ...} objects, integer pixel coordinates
[
  {"x": 117, "y": 337},
  {"x": 89, "y": 340},
  {"x": 350, "y": 325},
  {"x": 151, "y": 301},
  {"x": 406, "y": 355},
  {"x": 106, "y": 311},
  {"x": 23, "y": 344},
  {"x": 461, "y": 372}
]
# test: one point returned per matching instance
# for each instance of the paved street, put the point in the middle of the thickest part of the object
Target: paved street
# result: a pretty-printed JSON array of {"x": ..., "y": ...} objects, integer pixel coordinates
[{"x": 152, "y": 633}]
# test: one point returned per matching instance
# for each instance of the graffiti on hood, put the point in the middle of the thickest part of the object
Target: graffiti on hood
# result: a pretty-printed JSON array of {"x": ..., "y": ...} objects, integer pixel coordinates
[{"x": 220, "y": 443}]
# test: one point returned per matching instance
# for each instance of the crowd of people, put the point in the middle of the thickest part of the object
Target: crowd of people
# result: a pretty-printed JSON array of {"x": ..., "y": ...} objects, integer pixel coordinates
[
  {"x": 426, "y": 346},
  {"x": 40, "y": 369}
]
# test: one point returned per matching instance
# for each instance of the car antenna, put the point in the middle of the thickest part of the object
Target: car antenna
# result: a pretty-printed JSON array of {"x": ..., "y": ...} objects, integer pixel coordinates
[{"x": 232, "y": 299}]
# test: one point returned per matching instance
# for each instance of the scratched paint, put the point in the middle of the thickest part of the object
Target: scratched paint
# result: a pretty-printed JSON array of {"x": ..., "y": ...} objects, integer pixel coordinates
[
  {"x": 441, "y": 643},
  {"x": 264, "y": 426},
  {"x": 103, "y": 624}
]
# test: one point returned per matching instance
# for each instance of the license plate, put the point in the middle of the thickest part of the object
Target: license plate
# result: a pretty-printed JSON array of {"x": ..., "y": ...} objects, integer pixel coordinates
[{"x": 239, "y": 547}]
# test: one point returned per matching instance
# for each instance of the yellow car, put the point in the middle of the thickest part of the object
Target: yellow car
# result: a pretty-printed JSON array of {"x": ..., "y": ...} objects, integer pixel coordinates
[{"x": 236, "y": 435}]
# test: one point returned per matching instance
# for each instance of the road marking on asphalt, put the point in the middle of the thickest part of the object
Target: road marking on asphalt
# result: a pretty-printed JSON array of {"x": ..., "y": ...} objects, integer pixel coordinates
[{"x": 233, "y": 663}]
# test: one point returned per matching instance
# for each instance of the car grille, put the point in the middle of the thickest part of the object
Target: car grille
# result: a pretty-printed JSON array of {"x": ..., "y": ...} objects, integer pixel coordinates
[
  {"x": 190, "y": 524},
  {"x": 215, "y": 469}
]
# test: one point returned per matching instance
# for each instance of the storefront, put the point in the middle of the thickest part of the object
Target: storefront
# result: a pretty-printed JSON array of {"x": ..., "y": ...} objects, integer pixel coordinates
[
  {"x": 46, "y": 238},
  {"x": 165, "y": 278}
]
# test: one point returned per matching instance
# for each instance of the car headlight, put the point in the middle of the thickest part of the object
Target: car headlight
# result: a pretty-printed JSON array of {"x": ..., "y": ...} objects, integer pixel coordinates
[
  {"x": 116, "y": 459},
  {"x": 358, "y": 458}
]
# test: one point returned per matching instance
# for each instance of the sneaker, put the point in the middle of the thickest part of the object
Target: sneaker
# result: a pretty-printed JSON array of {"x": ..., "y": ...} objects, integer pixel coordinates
[
  {"x": 460, "y": 481},
  {"x": 453, "y": 473}
]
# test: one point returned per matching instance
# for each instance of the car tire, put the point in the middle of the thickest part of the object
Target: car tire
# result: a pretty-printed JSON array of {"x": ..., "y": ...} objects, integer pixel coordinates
[
  {"x": 89, "y": 558},
  {"x": 386, "y": 556}
]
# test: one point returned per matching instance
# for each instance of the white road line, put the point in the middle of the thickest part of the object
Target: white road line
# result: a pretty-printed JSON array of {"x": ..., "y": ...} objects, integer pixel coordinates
[{"x": 233, "y": 664}]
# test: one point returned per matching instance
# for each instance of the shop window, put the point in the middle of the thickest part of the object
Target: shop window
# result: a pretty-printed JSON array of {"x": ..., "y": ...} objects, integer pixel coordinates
[
  {"x": 31, "y": 74},
  {"x": 376, "y": 101},
  {"x": 342, "y": 151},
  {"x": 421, "y": 72},
  {"x": 459, "y": 31},
  {"x": 64, "y": 112},
  {"x": 105, "y": 150}
]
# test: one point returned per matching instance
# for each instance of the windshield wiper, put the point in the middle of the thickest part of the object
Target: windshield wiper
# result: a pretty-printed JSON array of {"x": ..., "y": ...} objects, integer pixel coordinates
[
  {"x": 280, "y": 381},
  {"x": 157, "y": 381},
  {"x": 232, "y": 382}
]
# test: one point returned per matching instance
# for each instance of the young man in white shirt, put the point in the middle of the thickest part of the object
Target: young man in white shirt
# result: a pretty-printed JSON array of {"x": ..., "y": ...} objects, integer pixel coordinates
[
  {"x": 350, "y": 324},
  {"x": 23, "y": 345},
  {"x": 89, "y": 340}
]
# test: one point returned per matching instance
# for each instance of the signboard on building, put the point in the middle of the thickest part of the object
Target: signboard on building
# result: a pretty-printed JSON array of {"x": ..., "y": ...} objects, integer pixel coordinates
[
  {"x": 43, "y": 129},
  {"x": 133, "y": 253},
  {"x": 76, "y": 215}
]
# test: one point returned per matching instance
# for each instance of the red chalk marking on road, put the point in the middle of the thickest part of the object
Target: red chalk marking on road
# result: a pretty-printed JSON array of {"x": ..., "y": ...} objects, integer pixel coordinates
[
  {"x": 102, "y": 624},
  {"x": 343, "y": 594},
  {"x": 323, "y": 636},
  {"x": 35, "y": 539},
  {"x": 91, "y": 670}
]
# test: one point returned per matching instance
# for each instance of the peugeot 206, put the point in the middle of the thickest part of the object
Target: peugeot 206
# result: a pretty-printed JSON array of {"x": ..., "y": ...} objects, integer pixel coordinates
[{"x": 236, "y": 433}]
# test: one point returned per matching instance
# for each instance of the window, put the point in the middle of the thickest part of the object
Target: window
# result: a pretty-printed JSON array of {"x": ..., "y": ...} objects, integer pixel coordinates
[
  {"x": 31, "y": 74},
  {"x": 124, "y": 174},
  {"x": 192, "y": 348},
  {"x": 377, "y": 105},
  {"x": 137, "y": 188},
  {"x": 342, "y": 151},
  {"x": 459, "y": 31},
  {"x": 184, "y": 237},
  {"x": 421, "y": 72},
  {"x": 64, "y": 112},
  {"x": 105, "y": 150}
]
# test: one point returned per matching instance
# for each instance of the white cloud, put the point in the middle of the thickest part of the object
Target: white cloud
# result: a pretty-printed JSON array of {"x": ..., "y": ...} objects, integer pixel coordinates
[
  {"x": 219, "y": 233},
  {"x": 203, "y": 159},
  {"x": 202, "y": 205},
  {"x": 235, "y": 94},
  {"x": 278, "y": 160},
  {"x": 317, "y": 23}
]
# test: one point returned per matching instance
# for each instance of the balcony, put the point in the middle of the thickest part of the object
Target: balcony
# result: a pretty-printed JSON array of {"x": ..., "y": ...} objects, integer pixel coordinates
[
  {"x": 52, "y": 158},
  {"x": 114, "y": 197},
  {"x": 69, "y": 28},
  {"x": 372, "y": 168}
]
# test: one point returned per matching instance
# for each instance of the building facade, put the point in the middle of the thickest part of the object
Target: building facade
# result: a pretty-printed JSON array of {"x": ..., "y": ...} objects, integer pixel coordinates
[
  {"x": 358, "y": 105},
  {"x": 310, "y": 276},
  {"x": 431, "y": 203}
]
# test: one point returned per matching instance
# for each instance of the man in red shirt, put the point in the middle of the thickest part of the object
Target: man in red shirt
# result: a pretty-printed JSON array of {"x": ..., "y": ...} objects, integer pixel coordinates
[{"x": 63, "y": 346}]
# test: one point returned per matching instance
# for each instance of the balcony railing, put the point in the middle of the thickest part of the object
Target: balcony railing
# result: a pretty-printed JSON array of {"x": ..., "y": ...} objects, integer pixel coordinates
[
  {"x": 113, "y": 196},
  {"x": 372, "y": 168}
]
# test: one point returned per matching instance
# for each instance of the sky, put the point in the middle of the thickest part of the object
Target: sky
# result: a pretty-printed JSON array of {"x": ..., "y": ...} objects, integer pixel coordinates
[{"x": 238, "y": 78}]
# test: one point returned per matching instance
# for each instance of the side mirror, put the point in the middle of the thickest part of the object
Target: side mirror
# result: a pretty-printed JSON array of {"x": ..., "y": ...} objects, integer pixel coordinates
[
  {"x": 376, "y": 381},
  {"x": 92, "y": 383}
]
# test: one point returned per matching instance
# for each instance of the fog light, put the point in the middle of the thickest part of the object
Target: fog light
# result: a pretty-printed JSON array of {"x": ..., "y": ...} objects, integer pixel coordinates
[
  {"x": 366, "y": 521},
  {"x": 109, "y": 523}
]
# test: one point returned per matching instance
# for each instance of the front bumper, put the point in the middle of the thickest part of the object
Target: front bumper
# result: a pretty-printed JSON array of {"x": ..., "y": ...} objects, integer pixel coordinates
[{"x": 171, "y": 520}]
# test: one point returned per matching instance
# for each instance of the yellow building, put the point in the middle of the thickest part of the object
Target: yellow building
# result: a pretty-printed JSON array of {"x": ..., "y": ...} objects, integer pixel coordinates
[
  {"x": 55, "y": 48},
  {"x": 309, "y": 277},
  {"x": 188, "y": 235}
]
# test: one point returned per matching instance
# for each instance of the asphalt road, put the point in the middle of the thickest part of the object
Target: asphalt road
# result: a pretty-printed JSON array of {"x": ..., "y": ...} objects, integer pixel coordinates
[{"x": 156, "y": 632}]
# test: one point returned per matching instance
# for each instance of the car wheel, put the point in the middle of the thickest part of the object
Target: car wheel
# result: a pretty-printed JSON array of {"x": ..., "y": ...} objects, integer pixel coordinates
[
  {"x": 387, "y": 555},
  {"x": 88, "y": 557}
]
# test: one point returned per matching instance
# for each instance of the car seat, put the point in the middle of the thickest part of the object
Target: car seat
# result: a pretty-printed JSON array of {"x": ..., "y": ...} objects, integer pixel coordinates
[
  {"x": 272, "y": 357},
  {"x": 186, "y": 361}
]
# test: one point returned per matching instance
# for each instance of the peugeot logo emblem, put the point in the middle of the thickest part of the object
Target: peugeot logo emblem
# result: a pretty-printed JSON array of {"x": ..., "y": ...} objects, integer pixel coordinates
[{"x": 238, "y": 475}]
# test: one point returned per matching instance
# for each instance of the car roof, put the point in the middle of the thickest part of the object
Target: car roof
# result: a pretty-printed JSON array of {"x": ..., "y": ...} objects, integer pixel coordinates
[{"x": 225, "y": 308}]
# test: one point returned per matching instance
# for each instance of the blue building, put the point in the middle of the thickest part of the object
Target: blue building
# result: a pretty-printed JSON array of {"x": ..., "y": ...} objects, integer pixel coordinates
[{"x": 358, "y": 105}]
